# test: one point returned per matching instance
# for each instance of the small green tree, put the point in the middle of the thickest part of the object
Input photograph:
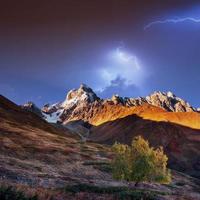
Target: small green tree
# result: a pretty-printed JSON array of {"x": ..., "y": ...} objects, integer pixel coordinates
[
  {"x": 120, "y": 165},
  {"x": 140, "y": 162}
]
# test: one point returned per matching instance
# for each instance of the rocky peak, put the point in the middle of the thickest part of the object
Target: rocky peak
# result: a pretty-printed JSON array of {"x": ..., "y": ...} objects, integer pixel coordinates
[
  {"x": 169, "y": 102},
  {"x": 76, "y": 100},
  {"x": 30, "y": 106},
  {"x": 134, "y": 101},
  {"x": 83, "y": 94},
  {"x": 165, "y": 100},
  {"x": 47, "y": 108},
  {"x": 170, "y": 94},
  {"x": 116, "y": 99}
]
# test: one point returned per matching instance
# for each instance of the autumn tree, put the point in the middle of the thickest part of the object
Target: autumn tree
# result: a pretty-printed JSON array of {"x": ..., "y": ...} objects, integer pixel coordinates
[{"x": 140, "y": 162}]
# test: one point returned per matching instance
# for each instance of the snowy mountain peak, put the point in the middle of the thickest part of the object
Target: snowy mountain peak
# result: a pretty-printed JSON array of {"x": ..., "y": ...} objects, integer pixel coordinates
[
  {"x": 170, "y": 94},
  {"x": 75, "y": 98},
  {"x": 169, "y": 102},
  {"x": 83, "y": 94},
  {"x": 164, "y": 94},
  {"x": 84, "y": 86}
]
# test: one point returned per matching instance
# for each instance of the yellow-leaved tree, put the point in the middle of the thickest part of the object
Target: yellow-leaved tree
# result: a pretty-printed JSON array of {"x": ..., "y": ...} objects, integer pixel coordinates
[{"x": 140, "y": 162}]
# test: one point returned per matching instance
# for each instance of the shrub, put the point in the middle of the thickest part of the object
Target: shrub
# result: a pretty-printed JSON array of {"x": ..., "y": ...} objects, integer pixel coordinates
[
  {"x": 92, "y": 189},
  {"x": 138, "y": 195},
  {"x": 140, "y": 162},
  {"x": 9, "y": 193},
  {"x": 121, "y": 193}
]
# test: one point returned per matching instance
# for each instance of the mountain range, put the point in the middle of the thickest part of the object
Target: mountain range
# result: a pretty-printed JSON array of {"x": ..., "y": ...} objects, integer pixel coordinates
[{"x": 84, "y": 99}]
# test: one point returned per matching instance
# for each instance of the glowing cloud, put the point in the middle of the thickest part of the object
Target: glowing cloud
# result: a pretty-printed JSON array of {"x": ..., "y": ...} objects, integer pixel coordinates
[
  {"x": 174, "y": 21},
  {"x": 126, "y": 58},
  {"x": 122, "y": 65}
]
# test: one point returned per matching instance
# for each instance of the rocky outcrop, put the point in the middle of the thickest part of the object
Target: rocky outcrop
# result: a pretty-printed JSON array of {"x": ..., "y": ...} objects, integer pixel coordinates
[{"x": 30, "y": 106}]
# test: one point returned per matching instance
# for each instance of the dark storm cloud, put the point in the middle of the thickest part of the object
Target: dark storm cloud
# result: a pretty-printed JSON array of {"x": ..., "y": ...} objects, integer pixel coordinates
[
  {"x": 118, "y": 87},
  {"x": 50, "y": 46}
]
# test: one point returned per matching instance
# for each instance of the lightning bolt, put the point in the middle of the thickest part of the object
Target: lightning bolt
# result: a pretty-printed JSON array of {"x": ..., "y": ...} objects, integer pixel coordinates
[{"x": 174, "y": 21}]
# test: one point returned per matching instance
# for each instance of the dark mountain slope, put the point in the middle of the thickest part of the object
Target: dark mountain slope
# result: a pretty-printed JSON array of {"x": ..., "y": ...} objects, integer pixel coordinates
[
  {"x": 35, "y": 152},
  {"x": 182, "y": 144}
]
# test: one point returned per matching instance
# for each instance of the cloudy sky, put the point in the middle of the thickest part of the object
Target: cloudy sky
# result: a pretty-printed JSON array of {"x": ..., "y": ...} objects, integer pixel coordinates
[{"x": 124, "y": 47}]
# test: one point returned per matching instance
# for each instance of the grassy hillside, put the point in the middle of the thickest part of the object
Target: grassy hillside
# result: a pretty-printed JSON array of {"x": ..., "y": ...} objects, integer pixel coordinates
[{"x": 41, "y": 161}]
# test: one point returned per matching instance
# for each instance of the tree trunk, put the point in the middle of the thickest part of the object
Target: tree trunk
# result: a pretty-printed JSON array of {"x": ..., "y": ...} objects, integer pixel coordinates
[{"x": 136, "y": 183}]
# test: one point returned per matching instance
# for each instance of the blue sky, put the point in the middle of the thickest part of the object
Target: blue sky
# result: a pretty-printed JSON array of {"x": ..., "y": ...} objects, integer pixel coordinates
[{"x": 48, "y": 49}]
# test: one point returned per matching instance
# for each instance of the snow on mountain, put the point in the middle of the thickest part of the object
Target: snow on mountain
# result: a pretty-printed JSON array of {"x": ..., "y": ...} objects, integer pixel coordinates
[
  {"x": 83, "y": 96},
  {"x": 79, "y": 102},
  {"x": 54, "y": 117}
]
